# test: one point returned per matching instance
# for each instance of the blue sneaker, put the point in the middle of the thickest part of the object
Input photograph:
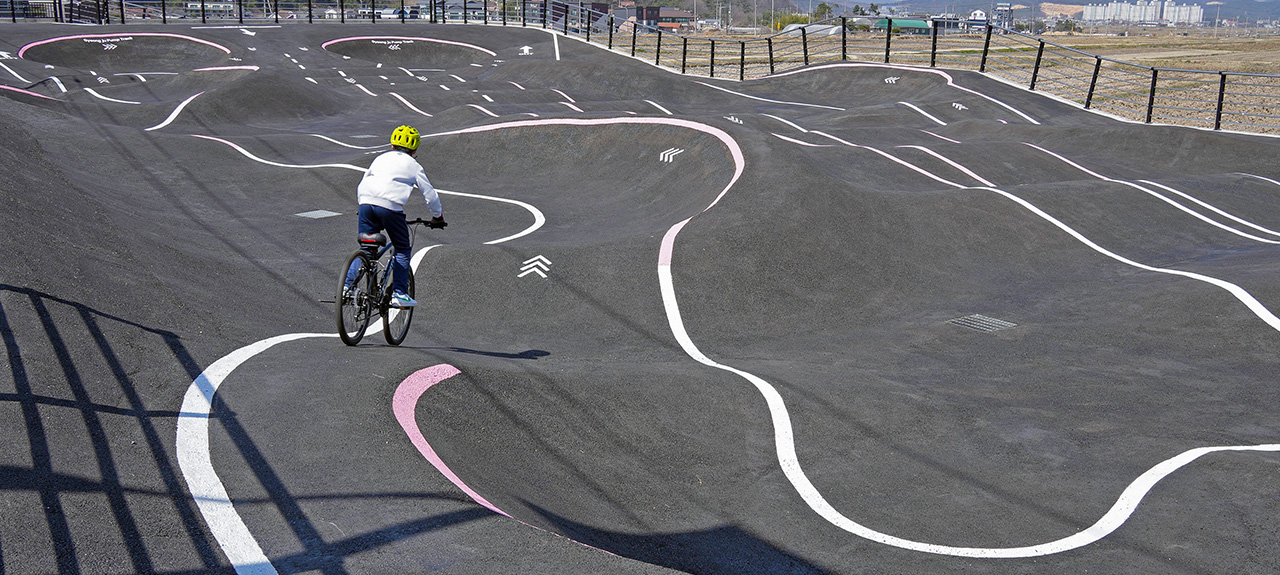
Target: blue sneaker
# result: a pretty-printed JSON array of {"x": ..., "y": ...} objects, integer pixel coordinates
[{"x": 402, "y": 300}]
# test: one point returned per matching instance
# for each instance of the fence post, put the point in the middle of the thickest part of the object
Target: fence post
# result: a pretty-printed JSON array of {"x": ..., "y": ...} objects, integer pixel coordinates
[
  {"x": 1222, "y": 91},
  {"x": 524, "y": 13},
  {"x": 804, "y": 40},
  {"x": 545, "y": 6},
  {"x": 203, "y": 18},
  {"x": 684, "y": 55},
  {"x": 565, "y": 25},
  {"x": 770, "y": 39},
  {"x": 933, "y": 49},
  {"x": 1151, "y": 99},
  {"x": 657, "y": 50},
  {"x": 239, "y": 11},
  {"x": 634, "y": 30},
  {"x": 611, "y": 31},
  {"x": 986, "y": 48},
  {"x": 402, "y": 14},
  {"x": 310, "y": 17},
  {"x": 888, "y": 37},
  {"x": 742, "y": 61},
  {"x": 13, "y": 11},
  {"x": 584, "y": 11},
  {"x": 1093, "y": 84},
  {"x": 1035, "y": 72},
  {"x": 466, "y": 18},
  {"x": 713, "y": 57},
  {"x": 844, "y": 38}
]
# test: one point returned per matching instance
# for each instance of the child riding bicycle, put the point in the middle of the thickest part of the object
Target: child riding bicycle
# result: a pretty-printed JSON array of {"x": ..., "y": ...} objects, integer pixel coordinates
[{"x": 382, "y": 193}]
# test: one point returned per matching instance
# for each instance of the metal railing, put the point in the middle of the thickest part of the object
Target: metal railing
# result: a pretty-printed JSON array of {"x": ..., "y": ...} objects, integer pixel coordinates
[{"x": 1209, "y": 99}]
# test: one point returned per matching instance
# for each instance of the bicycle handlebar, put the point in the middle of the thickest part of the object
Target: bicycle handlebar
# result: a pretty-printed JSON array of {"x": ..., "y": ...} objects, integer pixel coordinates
[{"x": 429, "y": 223}]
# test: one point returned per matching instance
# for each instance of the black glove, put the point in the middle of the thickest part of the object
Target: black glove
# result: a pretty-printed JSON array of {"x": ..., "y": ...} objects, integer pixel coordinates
[{"x": 438, "y": 222}]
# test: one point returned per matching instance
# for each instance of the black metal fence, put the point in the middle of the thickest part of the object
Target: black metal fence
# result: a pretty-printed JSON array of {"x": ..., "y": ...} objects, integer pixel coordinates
[{"x": 1209, "y": 99}]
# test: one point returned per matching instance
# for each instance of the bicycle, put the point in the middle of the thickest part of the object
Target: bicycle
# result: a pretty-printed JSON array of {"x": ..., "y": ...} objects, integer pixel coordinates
[{"x": 369, "y": 291}]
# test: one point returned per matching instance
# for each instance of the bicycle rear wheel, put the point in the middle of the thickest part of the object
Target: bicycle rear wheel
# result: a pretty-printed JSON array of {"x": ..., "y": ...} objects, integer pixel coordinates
[
  {"x": 354, "y": 304},
  {"x": 395, "y": 321}
]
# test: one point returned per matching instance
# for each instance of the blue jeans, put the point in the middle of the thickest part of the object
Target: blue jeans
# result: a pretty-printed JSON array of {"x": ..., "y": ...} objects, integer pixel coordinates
[{"x": 374, "y": 219}]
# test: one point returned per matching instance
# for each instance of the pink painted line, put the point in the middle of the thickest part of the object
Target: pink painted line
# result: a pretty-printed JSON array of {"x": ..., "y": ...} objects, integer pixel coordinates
[
  {"x": 141, "y": 34},
  {"x": 403, "y": 404},
  {"x": 410, "y": 38},
  {"x": 21, "y": 91}
]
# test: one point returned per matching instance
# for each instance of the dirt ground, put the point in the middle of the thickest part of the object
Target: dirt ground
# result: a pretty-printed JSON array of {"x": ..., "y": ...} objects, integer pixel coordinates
[{"x": 1197, "y": 50}]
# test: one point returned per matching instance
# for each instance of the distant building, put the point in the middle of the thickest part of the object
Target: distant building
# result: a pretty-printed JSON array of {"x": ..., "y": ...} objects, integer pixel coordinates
[
  {"x": 1151, "y": 12},
  {"x": 905, "y": 26},
  {"x": 663, "y": 17}
]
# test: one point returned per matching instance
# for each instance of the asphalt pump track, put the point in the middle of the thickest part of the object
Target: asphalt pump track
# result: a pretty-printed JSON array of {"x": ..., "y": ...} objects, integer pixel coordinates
[{"x": 853, "y": 318}]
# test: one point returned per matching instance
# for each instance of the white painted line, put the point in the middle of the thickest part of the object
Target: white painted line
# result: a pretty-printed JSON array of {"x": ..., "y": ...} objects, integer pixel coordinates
[
  {"x": 458, "y": 78},
  {"x": 787, "y": 122},
  {"x": 784, "y": 440},
  {"x": 795, "y": 141},
  {"x": 477, "y": 65},
  {"x": 15, "y": 74},
  {"x": 341, "y": 73},
  {"x": 940, "y": 137},
  {"x": 192, "y": 447},
  {"x": 277, "y": 164},
  {"x": 487, "y": 98},
  {"x": 516, "y": 85},
  {"x": 366, "y": 90},
  {"x": 566, "y": 96},
  {"x": 59, "y": 84},
  {"x": 749, "y": 96},
  {"x": 95, "y": 94},
  {"x": 346, "y": 145},
  {"x": 955, "y": 165},
  {"x": 406, "y": 71},
  {"x": 1213, "y": 208},
  {"x": 173, "y": 115},
  {"x": 313, "y": 81},
  {"x": 538, "y": 218},
  {"x": 555, "y": 38},
  {"x": 923, "y": 113},
  {"x": 655, "y": 105},
  {"x": 481, "y": 108},
  {"x": 1157, "y": 195},
  {"x": 572, "y": 107},
  {"x": 442, "y": 86},
  {"x": 891, "y": 158},
  {"x": 950, "y": 81},
  {"x": 407, "y": 104}
]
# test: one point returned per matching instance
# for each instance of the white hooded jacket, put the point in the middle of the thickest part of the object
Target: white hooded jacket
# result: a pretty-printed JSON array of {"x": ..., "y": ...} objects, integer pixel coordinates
[{"x": 389, "y": 182}]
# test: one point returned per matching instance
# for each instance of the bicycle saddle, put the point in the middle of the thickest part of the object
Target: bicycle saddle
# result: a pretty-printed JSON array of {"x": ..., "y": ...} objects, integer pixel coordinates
[{"x": 373, "y": 240}]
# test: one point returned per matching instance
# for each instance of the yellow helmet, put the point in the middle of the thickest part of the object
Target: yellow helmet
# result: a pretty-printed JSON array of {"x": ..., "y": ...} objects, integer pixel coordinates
[{"x": 405, "y": 137}]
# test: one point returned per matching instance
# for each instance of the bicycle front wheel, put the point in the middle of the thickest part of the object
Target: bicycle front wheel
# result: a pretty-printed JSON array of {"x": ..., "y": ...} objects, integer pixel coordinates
[
  {"x": 354, "y": 304},
  {"x": 395, "y": 321}
]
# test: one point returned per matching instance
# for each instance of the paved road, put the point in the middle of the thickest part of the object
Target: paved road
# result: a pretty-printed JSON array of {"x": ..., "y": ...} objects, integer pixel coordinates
[{"x": 848, "y": 319}]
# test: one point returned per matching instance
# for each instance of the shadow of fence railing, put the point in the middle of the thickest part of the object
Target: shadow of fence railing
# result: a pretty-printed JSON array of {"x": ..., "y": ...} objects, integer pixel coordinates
[{"x": 1247, "y": 102}]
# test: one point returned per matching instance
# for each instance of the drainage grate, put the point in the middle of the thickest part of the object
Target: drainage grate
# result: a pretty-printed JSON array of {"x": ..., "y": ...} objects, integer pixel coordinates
[{"x": 982, "y": 323}]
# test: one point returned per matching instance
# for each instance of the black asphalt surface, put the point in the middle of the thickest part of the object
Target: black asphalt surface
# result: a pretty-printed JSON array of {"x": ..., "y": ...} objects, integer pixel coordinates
[{"x": 136, "y": 256}]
